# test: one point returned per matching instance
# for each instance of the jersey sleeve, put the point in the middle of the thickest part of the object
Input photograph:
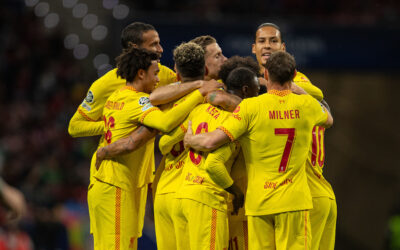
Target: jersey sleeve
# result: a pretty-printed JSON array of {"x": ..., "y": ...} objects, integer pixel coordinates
[
  {"x": 166, "y": 76},
  {"x": 168, "y": 141},
  {"x": 79, "y": 126},
  {"x": 237, "y": 123},
  {"x": 166, "y": 121},
  {"x": 215, "y": 165},
  {"x": 302, "y": 81},
  {"x": 318, "y": 112}
]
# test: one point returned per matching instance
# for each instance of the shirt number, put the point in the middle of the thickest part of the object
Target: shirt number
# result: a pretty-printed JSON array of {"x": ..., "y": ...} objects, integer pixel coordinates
[
  {"x": 318, "y": 146},
  {"x": 108, "y": 125},
  {"x": 291, "y": 133},
  {"x": 202, "y": 128}
]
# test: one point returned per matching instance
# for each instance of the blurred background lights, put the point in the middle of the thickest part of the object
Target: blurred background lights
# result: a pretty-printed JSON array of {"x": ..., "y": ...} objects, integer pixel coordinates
[
  {"x": 100, "y": 60},
  {"x": 103, "y": 69},
  {"x": 80, "y": 10},
  {"x": 69, "y": 3},
  {"x": 51, "y": 20},
  {"x": 42, "y": 9},
  {"x": 109, "y": 4},
  {"x": 31, "y": 3},
  {"x": 120, "y": 11},
  {"x": 71, "y": 41},
  {"x": 81, "y": 51},
  {"x": 99, "y": 32},
  {"x": 89, "y": 21}
]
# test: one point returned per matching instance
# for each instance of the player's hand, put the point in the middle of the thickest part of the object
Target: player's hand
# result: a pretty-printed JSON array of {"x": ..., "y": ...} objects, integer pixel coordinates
[
  {"x": 209, "y": 86},
  {"x": 100, "y": 155},
  {"x": 14, "y": 200},
  {"x": 188, "y": 135},
  {"x": 238, "y": 198}
]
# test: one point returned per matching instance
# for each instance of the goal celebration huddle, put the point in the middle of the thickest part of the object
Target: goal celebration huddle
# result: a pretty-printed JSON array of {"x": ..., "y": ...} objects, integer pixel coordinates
[{"x": 242, "y": 143}]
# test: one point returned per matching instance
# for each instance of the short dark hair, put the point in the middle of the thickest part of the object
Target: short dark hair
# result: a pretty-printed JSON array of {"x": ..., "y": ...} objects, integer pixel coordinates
[
  {"x": 134, "y": 33},
  {"x": 204, "y": 41},
  {"x": 281, "y": 67},
  {"x": 189, "y": 60},
  {"x": 268, "y": 25},
  {"x": 240, "y": 77},
  {"x": 238, "y": 61},
  {"x": 130, "y": 61}
]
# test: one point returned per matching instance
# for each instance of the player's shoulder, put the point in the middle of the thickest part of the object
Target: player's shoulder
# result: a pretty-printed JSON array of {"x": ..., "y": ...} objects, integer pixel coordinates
[{"x": 301, "y": 77}]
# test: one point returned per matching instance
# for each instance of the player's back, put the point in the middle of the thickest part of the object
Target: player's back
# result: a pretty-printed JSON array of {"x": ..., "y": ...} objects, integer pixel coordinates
[
  {"x": 275, "y": 149},
  {"x": 122, "y": 113},
  {"x": 196, "y": 183}
]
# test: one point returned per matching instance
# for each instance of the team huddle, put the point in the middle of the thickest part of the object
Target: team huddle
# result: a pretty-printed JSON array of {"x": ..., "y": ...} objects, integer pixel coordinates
[{"x": 242, "y": 144}]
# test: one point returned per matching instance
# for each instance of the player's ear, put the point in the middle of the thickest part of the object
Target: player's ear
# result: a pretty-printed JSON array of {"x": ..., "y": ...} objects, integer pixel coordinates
[
  {"x": 178, "y": 77},
  {"x": 253, "y": 48},
  {"x": 266, "y": 74},
  {"x": 295, "y": 73},
  {"x": 245, "y": 90},
  {"x": 132, "y": 45},
  {"x": 141, "y": 73},
  {"x": 205, "y": 70},
  {"x": 283, "y": 46}
]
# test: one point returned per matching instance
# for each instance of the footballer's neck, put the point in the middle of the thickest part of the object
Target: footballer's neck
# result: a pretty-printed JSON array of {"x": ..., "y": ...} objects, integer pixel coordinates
[
  {"x": 138, "y": 85},
  {"x": 278, "y": 86}
]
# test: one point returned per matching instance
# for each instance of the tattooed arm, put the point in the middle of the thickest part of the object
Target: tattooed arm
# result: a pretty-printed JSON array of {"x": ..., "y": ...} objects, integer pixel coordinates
[
  {"x": 126, "y": 145},
  {"x": 224, "y": 100}
]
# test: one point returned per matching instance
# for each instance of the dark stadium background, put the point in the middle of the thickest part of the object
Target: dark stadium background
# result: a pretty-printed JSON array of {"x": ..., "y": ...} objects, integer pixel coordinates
[{"x": 52, "y": 50}]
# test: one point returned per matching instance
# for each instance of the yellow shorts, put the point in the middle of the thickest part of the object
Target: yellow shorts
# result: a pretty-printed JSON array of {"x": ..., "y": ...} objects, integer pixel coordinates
[
  {"x": 283, "y": 231},
  {"x": 238, "y": 236},
  {"x": 323, "y": 223},
  {"x": 199, "y": 226},
  {"x": 116, "y": 216},
  {"x": 164, "y": 221}
]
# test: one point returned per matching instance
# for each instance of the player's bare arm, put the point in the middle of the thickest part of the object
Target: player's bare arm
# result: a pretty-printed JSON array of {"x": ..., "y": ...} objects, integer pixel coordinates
[
  {"x": 226, "y": 101},
  {"x": 172, "y": 92},
  {"x": 126, "y": 145},
  {"x": 329, "y": 121},
  {"x": 205, "y": 141},
  {"x": 79, "y": 126},
  {"x": 296, "y": 89}
]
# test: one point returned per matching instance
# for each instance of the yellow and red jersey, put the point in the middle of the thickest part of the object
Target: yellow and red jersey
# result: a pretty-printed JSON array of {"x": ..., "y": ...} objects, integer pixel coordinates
[{"x": 274, "y": 130}]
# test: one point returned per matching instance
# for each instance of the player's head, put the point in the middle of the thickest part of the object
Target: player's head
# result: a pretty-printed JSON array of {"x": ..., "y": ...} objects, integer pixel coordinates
[
  {"x": 189, "y": 61},
  {"x": 141, "y": 35},
  {"x": 213, "y": 55},
  {"x": 280, "y": 68},
  {"x": 139, "y": 66},
  {"x": 243, "y": 82},
  {"x": 268, "y": 39},
  {"x": 235, "y": 62}
]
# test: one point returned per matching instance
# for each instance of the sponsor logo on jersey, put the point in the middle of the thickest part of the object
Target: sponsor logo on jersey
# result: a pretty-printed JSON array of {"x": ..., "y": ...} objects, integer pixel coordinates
[
  {"x": 144, "y": 100},
  {"x": 89, "y": 97},
  {"x": 86, "y": 106}
]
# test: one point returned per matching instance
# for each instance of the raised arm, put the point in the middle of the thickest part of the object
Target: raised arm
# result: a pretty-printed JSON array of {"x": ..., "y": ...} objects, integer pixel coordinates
[
  {"x": 81, "y": 126},
  {"x": 135, "y": 140},
  {"x": 172, "y": 92},
  {"x": 224, "y": 100}
]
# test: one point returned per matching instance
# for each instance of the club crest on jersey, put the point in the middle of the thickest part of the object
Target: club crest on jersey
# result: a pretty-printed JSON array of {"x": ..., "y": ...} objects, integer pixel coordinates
[
  {"x": 237, "y": 109},
  {"x": 144, "y": 100},
  {"x": 89, "y": 97}
]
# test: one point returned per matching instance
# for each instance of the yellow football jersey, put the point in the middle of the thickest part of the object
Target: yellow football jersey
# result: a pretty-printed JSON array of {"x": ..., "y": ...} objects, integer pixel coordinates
[
  {"x": 302, "y": 81},
  {"x": 123, "y": 112},
  {"x": 174, "y": 158},
  {"x": 92, "y": 106},
  {"x": 196, "y": 183},
  {"x": 319, "y": 186},
  {"x": 274, "y": 130}
]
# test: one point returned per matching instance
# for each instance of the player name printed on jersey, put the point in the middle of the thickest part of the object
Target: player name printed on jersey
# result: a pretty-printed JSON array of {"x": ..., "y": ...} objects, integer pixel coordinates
[
  {"x": 214, "y": 112},
  {"x": 114, "y": 105},
  {"x": 284, "y": 114}
]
